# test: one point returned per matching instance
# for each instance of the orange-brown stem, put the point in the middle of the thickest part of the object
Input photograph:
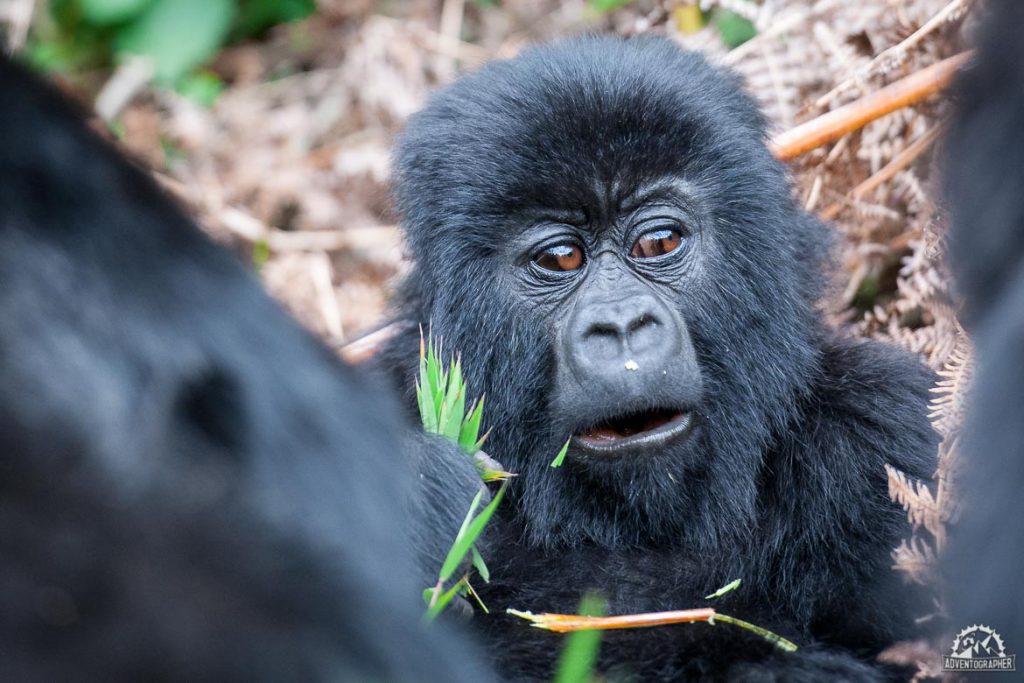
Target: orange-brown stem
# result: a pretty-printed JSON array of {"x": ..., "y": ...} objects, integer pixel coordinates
[
  {"x": 564, "y": 623},
  {"x": 855, "y": 115}
]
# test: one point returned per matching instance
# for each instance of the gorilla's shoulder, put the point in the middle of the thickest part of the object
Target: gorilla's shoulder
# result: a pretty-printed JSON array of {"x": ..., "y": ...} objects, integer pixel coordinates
[{"x": 873, "y": 398}]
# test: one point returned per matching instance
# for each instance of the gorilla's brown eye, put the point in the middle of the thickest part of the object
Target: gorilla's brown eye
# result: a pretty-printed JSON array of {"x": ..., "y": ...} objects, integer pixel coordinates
[
  {"x": 559, "y": 257},
  {"x": 656, "y": 243}
]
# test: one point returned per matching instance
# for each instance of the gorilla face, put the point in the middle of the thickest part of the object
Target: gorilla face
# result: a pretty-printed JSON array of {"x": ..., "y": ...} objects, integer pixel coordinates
[
  {"x": 600, "y": 231},
  {"x": 607, "y": 288}
]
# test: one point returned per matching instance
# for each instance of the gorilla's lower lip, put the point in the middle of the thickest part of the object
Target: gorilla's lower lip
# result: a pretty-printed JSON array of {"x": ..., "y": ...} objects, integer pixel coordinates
[{"x": 640, "y": 430}]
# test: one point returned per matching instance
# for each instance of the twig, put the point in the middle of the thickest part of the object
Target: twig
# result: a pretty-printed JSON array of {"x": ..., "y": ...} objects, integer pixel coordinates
[
  {"x": 17, "y": 14},
  {"x": 886, "y": 173},
  {"x": 898, "y": 52},
  {"x": 321, "y": 274},
  {"x": 848, "y": 118},
  {"x": 126, "y": 82},
  {"x": 448, "y": 35},
  {"x": 567, "y": 623},
  {"x": 244, "y": 225},
  {"x": 366, "y": 347}
]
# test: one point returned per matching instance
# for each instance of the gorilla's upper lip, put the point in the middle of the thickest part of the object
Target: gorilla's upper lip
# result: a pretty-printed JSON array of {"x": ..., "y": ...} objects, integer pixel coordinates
[{"x": 640, "y": 429}]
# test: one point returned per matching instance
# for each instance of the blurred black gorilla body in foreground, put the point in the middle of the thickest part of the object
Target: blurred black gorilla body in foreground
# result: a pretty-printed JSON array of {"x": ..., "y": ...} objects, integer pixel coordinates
[
  {"x": 599, "y": 229},
  {"x": 191, "y": 486},
  {"x": 984, "y": 180}
]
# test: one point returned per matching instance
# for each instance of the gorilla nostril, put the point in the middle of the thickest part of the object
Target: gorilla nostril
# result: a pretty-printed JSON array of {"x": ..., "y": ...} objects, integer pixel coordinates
[
  {"x": 644, "y": 320},
  {"x": 599, "y": 342},
  {"x": 602, "y": 330}
]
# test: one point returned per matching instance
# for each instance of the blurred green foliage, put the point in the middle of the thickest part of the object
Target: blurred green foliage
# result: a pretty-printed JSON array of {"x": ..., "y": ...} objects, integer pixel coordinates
[
  {"x": 733, "y": 28},
  {"x": 688, "y": 17},
  {"x": 608, "y": 5},
  {"x": 177, "y": 35}
]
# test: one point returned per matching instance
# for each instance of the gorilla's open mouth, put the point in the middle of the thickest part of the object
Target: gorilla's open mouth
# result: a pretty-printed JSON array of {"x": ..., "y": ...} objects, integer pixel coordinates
[{"x": 639, "y": 429}]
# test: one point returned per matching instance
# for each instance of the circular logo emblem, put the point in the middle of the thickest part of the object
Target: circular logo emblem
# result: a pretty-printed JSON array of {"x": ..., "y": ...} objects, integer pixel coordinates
[{"x": 978, "y": 641}]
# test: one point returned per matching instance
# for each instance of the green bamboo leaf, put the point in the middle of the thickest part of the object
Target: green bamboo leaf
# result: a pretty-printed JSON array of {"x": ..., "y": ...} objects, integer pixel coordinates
[
  {"x": 480, "y": 442},
  {"x": 454, "y": 408},
  {"x": 469, "y": 515},
  {"x": 468, "y": 535},
  {"x": 444, "y": 599},
  {"x": 426, "y": 404},
  {"x": 727, "y": 588},
  {"x": 490, "y": 475},
  {"x": 481, "y": 566},
  {"x": 425, "y": 392},
  {"x": 442, "y": 420},
  {"x": 454, "y": 402},
  {"x": 459, "y": 407},
  {"x": 560, "y": 458},
  {"x": 455, "y": 418},
  {"x": 433, "y": 372},
  {"x": 471, "y": 427}
]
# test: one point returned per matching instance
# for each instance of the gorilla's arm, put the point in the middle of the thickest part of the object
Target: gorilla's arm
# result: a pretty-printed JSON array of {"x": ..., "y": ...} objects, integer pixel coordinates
[{"x": 447, "y": 481}]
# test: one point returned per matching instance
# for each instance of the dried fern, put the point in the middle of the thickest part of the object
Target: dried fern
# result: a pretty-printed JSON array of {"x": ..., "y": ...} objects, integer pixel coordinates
[
  {"x": 917, "y": 559},
  {"x": 916, "y": 498}
]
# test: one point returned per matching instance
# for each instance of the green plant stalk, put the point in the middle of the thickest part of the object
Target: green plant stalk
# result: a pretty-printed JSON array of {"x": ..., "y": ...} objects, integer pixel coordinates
[
  {"x": 440, "y": 601},
  {"x": 578, "y": 658},
  {"x": 772, "y": 637}
]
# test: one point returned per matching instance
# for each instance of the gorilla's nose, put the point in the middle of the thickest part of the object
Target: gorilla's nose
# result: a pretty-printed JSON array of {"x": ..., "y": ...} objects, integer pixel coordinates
[{"x": 628, "y": 334}]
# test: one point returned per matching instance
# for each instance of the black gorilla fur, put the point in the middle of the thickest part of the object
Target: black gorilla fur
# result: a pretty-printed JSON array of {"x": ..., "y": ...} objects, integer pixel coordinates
[
  {"x": 782, "y": 482},
  {"x": 191, "y": 488},
  {"x": 984, "y": 177}
]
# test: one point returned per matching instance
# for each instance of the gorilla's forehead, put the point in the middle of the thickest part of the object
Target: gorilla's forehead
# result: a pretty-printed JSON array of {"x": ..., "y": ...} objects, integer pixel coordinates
[{"x": 571, "y": 123}]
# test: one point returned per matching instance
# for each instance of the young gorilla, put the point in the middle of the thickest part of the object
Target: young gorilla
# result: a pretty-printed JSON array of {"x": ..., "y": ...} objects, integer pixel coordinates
[
  {"x": 984, "y": 177},
  {"x": 193, "y": 488},
  {"x": 599, "y": 229}
]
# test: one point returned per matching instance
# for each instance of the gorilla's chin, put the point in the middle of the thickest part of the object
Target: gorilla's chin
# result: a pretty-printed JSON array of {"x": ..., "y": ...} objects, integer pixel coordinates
[{"x": 635, "y": 432}]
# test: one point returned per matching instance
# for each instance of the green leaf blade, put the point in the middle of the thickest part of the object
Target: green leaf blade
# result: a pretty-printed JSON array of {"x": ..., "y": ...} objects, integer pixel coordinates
[
  {"x": 560, "y": 458},
  {"x": 443, "y": 600},
  {"x": 481, "y": 566},
  {"x": 727, "y": 588},
  {"x": 468, "y": 536},
  {"x": 469, "y": 435}
]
